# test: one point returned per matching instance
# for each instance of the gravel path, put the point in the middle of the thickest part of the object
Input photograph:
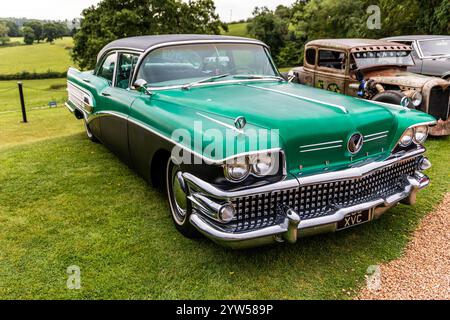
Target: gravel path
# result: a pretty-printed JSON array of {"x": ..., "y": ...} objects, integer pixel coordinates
[{"x": 423, "y": 272}]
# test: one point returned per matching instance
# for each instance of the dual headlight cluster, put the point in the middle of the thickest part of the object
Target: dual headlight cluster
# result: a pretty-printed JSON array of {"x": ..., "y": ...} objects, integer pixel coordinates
[
  {"x": 259, "y": 165},
  {"x": 414, "y": 134}
]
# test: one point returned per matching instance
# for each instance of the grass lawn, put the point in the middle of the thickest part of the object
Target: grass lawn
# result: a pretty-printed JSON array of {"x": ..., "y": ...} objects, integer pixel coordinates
[
  {"x": 237, "y": 29},
  {"x": 37, "y": 93},
  {"x": 67, "y": 201},
  {"x": 39, "y": 57}
]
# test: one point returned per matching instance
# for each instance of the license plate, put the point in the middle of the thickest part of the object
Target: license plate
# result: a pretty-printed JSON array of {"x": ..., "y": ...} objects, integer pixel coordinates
[{"x": 353, "y": 219}]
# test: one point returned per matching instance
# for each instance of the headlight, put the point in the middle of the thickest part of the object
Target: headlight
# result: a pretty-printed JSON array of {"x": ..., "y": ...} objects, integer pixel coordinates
[
  {"x": 264, "y": 164},
  {"x": 237, "y": 170},
  {"x": 420, "y": 134},
  {"x": 417, "y": 99},
  {"x": 407, "y": 137}
]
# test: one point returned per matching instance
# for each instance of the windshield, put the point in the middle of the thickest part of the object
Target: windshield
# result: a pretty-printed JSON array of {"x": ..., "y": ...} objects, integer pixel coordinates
[
  {"x": 185, "y": 64},
  {"x": 374, "y": 58},
  {"x": 431, "y": 48}
]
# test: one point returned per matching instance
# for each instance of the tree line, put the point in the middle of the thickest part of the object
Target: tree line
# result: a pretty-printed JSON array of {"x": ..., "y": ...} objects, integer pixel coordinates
[
  {"x": 288, "y": 28},
  {"x": 33, "y": 30}
]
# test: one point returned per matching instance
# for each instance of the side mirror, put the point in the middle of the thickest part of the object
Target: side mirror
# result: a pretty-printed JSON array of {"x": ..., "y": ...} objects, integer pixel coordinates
[{"x": 141, "y": 86}]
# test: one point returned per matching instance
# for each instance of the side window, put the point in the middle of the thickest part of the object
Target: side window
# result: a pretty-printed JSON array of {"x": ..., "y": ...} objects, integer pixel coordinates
[
  {"x": 106, "y": 69},
  {"x": 310, "y": 56},
  {"x": 127, "y": 63},
  {"x": 332, "y": 59}
]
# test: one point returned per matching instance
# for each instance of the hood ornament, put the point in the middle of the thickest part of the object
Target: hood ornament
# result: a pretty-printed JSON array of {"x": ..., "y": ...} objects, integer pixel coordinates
[
  {"x": 240, "y": 122},
  {"x": 355, "y": 143}
]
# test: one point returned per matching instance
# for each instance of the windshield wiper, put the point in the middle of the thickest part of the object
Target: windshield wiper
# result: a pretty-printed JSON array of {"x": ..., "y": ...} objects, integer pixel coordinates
[
  {"x": 252, "y": 77},
  {"x": 209, "y": 79}
]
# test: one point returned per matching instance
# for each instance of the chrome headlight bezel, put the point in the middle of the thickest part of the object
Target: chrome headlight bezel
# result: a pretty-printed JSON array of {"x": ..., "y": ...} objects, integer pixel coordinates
[
  {"x": 232, "y": 168},
  {"x": 264, "y": 164},
  {"x": 421, "y": 134},
  {"x": 407, "y": 138},
  {"x": 259, "y": 165}
]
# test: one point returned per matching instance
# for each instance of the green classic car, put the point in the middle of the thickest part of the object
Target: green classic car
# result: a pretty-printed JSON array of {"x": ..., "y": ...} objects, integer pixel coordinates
[{"x": 246, "y": 157}]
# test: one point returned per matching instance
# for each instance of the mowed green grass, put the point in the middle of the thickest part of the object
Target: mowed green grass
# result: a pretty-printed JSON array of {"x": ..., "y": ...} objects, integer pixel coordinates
[
  {"x": 237, "y": 30},
  {"x": 39, "y": 57},
  {"x": 67, "y": 201},
  {"x": 41, "y": 125},
  {"x": 37, "y": 93}
]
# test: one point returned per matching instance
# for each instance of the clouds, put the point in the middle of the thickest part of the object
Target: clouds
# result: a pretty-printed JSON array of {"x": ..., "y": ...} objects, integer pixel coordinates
[
  {"x": 242, "y": 9},
  {"x": 68, "y": 9}
]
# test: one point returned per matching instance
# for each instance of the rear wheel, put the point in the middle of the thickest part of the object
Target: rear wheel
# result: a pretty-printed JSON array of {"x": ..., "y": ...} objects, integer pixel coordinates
[{"x": 180, "y": 205}]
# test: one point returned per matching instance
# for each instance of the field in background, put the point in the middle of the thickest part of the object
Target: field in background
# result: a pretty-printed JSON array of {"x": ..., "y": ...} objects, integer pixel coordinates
[
  {"x": 237, "y": 30},
  {"x": 39, "y": 57},
  {"x": 37, "y": 93}
]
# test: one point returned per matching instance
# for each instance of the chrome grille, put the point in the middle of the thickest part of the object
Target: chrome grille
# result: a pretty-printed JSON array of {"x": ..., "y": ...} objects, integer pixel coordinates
[
  {"x": 439, "y": 103},
  {"x": 319, "y": 200}
]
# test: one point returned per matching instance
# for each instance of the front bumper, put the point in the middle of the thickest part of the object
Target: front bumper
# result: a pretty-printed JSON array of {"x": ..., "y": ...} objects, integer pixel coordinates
[{"x": 206, "y": 200}]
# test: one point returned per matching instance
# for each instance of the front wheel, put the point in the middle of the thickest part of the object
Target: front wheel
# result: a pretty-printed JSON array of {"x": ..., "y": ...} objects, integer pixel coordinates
[
  {"x": 89, "y": 134},
  {"x": 180, "y": 205}
]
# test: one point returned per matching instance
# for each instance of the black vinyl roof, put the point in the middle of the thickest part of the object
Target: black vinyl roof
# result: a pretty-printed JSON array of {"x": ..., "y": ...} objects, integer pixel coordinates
[{"x": 143, "y": 43}]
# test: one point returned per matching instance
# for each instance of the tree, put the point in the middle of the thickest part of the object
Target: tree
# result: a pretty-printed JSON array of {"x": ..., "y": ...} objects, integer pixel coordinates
[
  {"x": 14, "y": 30},
  {"x": 3, "y": 33},
  {"x": 434, "y": 17},
  {"x": 113, "y": 19},
  {"x": 37, "y": 29},
  {"x": 28, "y": 35},
  {"x": 54, "y": 30},
  {"x": 270, "y": 27}
]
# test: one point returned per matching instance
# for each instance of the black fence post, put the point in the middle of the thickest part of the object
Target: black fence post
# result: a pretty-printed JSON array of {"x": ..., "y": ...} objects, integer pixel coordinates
[{"x": 22, "y": 102}]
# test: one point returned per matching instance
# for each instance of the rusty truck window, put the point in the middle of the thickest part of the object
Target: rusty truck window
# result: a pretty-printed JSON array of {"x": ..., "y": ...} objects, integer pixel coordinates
[
  {"x": 332, "y": 59},
  {"x": 310, "y": 56}
]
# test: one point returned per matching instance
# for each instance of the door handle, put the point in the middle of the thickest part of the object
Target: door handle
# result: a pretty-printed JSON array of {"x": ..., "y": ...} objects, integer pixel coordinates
[
  {"x": 106, "y": 94},
  {"x": 86, "y": 80}
]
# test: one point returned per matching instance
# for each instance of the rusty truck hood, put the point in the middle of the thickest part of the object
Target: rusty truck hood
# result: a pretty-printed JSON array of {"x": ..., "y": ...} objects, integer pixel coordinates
[{"x": 401, "y": 78}]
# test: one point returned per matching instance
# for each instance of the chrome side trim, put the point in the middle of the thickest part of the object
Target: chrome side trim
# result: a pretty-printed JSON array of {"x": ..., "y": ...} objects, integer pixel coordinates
[
  {"x": 206, "y": 159},
  {"x": 226, "y": 125},
  {"x": 321, "y": 144},
  {"x": 375, "y": 138},
  {"x": 375, "y": 134},
  {"x": 343, "y": 109},
  {"x": 323, "y": 148}
]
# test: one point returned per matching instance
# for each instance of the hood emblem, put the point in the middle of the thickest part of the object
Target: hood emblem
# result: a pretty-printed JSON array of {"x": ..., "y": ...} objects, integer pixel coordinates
[
  {"x": 240, "y": 122},
  {"x": 355, "y": 143}
]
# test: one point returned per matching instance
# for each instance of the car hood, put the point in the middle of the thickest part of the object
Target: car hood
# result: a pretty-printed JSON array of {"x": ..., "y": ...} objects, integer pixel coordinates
[
  {"x": 403, "y": 78},
  {"x": 314, "y": 125}
]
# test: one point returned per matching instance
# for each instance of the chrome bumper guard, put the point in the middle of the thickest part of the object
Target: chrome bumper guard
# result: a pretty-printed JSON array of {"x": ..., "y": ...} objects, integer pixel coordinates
[{"x": 205, "y": 218}]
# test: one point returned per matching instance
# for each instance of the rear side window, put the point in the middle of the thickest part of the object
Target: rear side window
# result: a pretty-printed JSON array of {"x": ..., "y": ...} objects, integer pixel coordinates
[
  {"x": 332, "y": 59},
  {"x": 127, "y": 63},
  {"x": 106, "y": 69},
  {"x": 310, "y": 56}
]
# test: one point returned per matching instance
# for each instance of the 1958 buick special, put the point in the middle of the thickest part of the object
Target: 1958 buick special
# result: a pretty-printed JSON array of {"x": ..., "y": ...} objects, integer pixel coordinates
[{"x": 246, "y": 157}]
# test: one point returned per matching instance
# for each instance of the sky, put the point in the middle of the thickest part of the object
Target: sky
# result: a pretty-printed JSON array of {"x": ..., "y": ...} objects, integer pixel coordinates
[{"x": 69, "y": 9}]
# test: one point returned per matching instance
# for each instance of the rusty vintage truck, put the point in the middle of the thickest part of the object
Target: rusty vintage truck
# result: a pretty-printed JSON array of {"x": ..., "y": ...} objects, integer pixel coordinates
[{"x": 374, "y": 70}]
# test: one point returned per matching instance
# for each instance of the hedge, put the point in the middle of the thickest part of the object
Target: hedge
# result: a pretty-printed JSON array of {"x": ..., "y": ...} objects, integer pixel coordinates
[{"x": 25, "y": 75}]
